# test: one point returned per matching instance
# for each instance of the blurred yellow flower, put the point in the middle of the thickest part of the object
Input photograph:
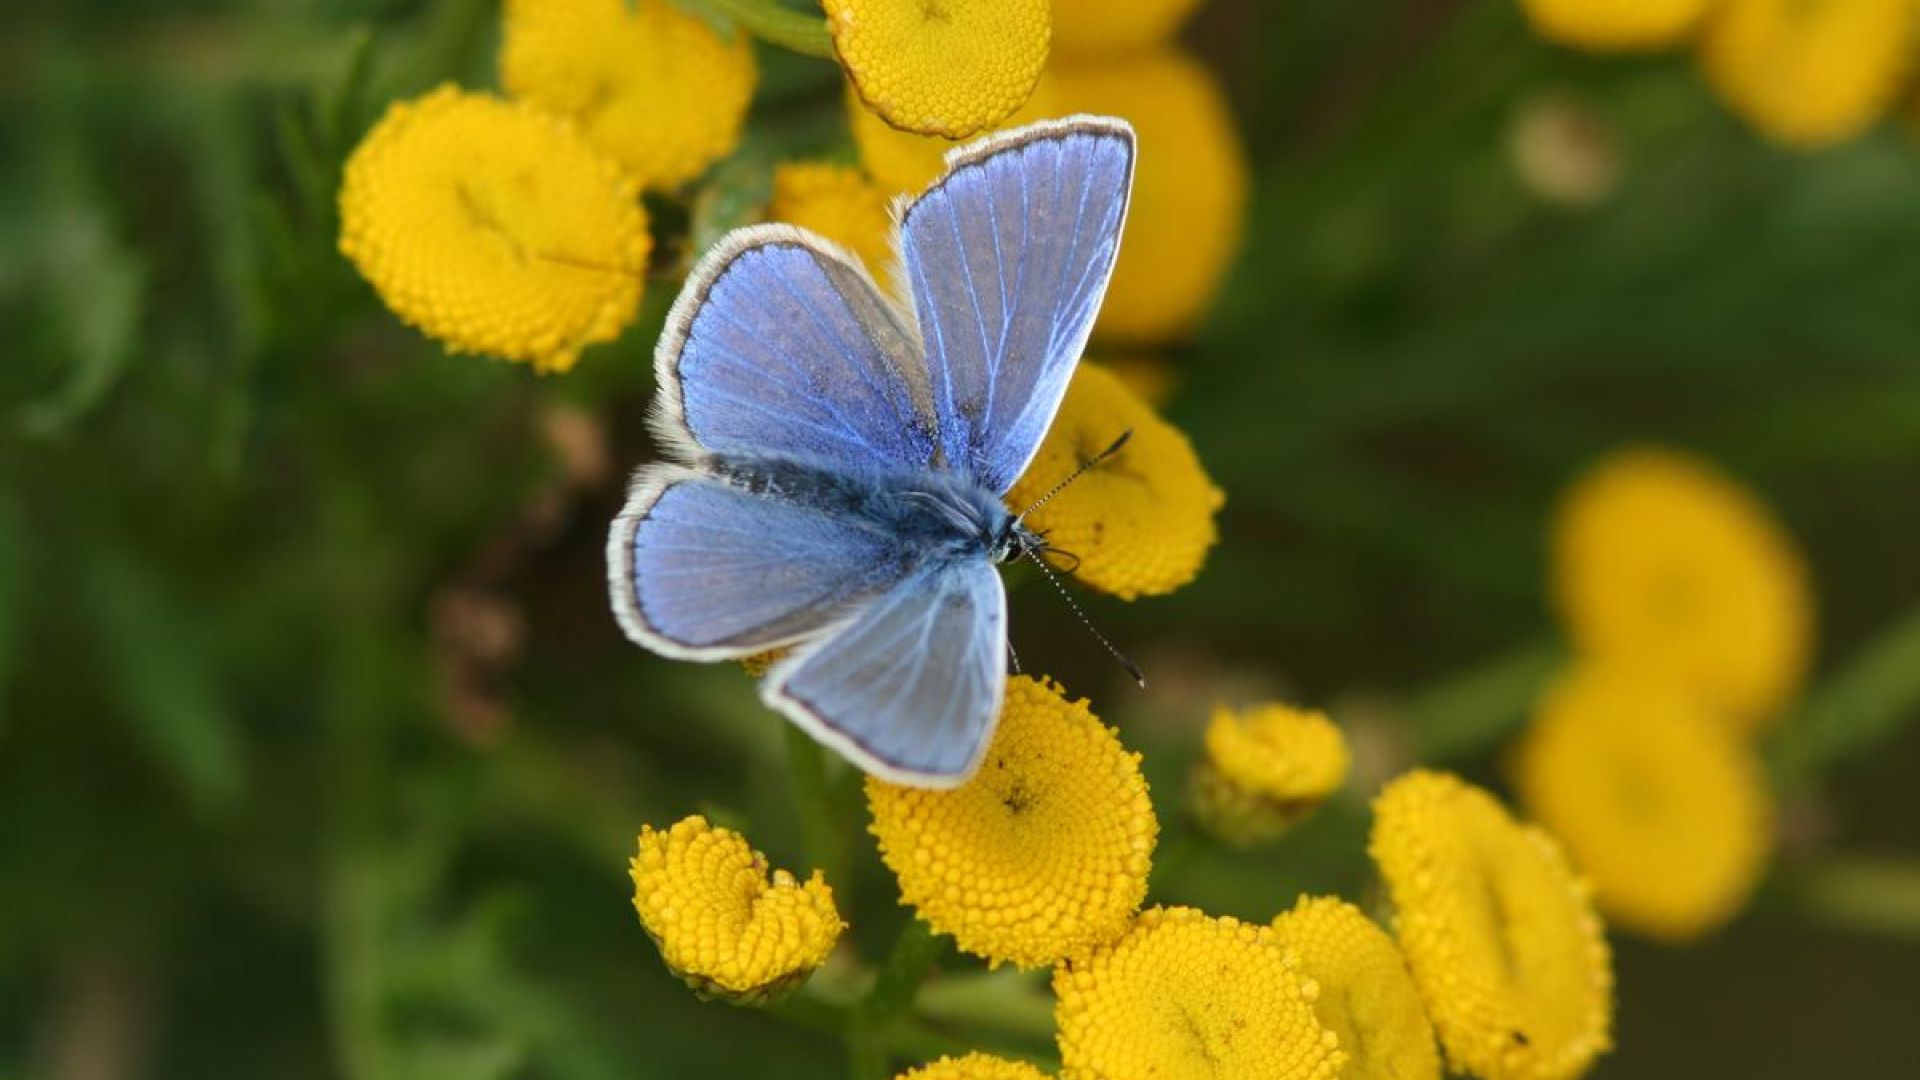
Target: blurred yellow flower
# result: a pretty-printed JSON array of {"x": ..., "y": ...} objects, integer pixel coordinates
[
  {"x": 1189, "y": 188},
  {"x": 1151, "y": 378},
  {"x": 1087, "y": 27},
  {"x": 1367, "y": 996},
  {"x": 839, "y": 203},
  {"x": 974, "y": 1067},
  {"x": 903, "y": 163},
  {"x": 1141, "y": 522},
  {"x": 1498, "y": 931},
  {"x": 657, "y": 87},
  {"x": 941, "y": 67},
  {"x": 1809, "y": 73},
  {"x": 1265, "y": 769},
  {"x": 1186, "y": 996},
  {"x": 494, "y": 227},
  {"x": 1044, "y": 853},
  {"x": 705, "y": 898},
  {"x": 1662, "y": 563},
  {"x": 1611, "y": 24},
  {"x": 1662, "y": 806}
]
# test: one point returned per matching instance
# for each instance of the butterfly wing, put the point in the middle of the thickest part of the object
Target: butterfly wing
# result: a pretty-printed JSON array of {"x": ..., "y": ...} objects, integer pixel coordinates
[
  {"x": 780, "y": 344},
  {"x": 1008, "y": 256},
  {"x": 702, "y": 570},
  {"x": 911, "y": 688}
]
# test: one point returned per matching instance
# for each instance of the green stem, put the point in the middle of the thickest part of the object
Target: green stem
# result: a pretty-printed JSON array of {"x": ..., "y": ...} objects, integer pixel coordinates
[
  {"x": 1859, "y": 892},
  {"x": 1470, "y": 712},
  {"x": 1006, "y": 1002},
  {"x": 914, "y": 954},
  {"x": 1857, "y": 707},
  {"x": 819, "y": 830},
  {"x": 774, "y": 24}
]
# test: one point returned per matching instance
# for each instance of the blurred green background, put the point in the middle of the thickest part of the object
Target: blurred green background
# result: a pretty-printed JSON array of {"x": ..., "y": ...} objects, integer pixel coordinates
[{"x": 320, "y": 753}]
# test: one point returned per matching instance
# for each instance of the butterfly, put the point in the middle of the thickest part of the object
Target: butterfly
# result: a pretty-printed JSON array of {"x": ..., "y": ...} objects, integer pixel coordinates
[{"x": 839, "y": 459}]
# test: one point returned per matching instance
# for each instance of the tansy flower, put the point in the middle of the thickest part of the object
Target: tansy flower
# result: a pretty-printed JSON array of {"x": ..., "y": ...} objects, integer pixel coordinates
[
  {"x": 903, "y": 163},
  {"x": 705, "y": 898},
  {"x": 941, "y": 67},
  {"x": 657, "y": 87},
  {"x": 1809, "y": 73},
  {"x": 1151, "y": 378},
  {"x": 1610, "y": 24},
  {"x": 494, "y": 227},
  {"x": 974, "y": 1067},
  {"x": 1090, "y": 27},
  {"x": 1141, "y": 522},
  {"x": 1186, "y": 996},
  {"x": 1367, "y": 996},
  {"x": 1662, "y": 563},
  {"x": 1500, "y": 934},
  {"x": 1189, "y": 190},
  {"x": 1661, "y": 805},
  {"x": 839, "y": 203},
  {"x": 1044, "y": 853},
  {"x": 1265, "y": 769}
]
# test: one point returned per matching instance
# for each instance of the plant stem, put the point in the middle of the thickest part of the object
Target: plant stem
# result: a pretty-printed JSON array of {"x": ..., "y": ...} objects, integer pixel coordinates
[
  {"x": 1858, "y": 706},
  {"x": 774, "y": 24},
  {"x": 819, "y": 828},
  {"x": 1470, "y": 712},
  {"x": 1859, "y": 892},
  {"x": 913, "y": 955}
]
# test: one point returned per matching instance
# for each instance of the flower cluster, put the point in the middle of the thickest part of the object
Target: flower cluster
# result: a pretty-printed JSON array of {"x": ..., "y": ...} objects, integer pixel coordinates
[
  {"x": 1805, "y": 74},
  {"x": 1041, "y": 855},
  {"x": 721, "y": 924},
  {"x": 1499, "y": 932},
  {"x": 1689, "y": 612},
  {"x": 1264, "y": 770}
]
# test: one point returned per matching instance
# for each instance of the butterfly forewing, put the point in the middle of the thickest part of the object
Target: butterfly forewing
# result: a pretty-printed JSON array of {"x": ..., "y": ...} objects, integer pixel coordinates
[{"x": 1008, "y": 256}]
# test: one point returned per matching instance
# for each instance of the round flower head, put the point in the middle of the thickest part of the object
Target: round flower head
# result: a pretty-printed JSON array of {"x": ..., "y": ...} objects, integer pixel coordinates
[
  {"x": 1663, "y": 564},
  {"x": 941, "y": 67},
  {"x": 494, "y": 227},
  {"x": 1367, "y": 996},
  {"x": 1499, "y": 933},
  {"x": 1141, "y": 522},
  {"x": 1189, "y": 189},
  {"x": 1186, "y": 996},
  {"x": 1101, "y": 27},
  {"x": 1151, "y": 378},
  {"x": 903, "y": 163},
  {"x": 657, "y": 87},
  {"x": 974, "y": 1067},
  {"x": 839, "y": 203},
  {"x": 1265, "y": 769},
  {"x": 1609, "y": 24},
  {"x": 1809, "y": 74},
  {"x": 1661, "y": 806},
  {"x": 1041, "y": 855},
  {"x": 721, "y": 924}
]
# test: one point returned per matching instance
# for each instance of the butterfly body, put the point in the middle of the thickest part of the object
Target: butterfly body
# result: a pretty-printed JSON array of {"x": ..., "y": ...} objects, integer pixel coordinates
[{"x": 842, "y": 458}]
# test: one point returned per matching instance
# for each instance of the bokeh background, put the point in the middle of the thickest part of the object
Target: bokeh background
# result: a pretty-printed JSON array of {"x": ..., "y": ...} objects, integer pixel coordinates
[{"x": 321, "y": 755}]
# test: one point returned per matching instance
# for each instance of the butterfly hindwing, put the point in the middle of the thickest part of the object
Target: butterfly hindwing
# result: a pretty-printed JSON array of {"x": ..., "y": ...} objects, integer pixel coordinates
[
  {"x": 1008, "y": 256},
  {"x": 911, "y": 687},
  {"x": 780, "y": 344},
  {"x": 704, "y": 570}
]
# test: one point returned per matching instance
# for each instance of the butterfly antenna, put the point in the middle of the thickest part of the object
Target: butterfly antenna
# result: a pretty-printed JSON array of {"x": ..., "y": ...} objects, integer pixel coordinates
[
  {"x": 1079, "y": 472},
  {"x": 1046, "y": 571}
]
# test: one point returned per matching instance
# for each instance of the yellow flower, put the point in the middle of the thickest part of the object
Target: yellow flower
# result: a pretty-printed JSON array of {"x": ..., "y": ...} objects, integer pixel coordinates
[
  {"x": 1186, "y": 996},
  {"x": 1086, "y": 27},
  {"x": 974, "y": 1067},
  {"x": 941, "y": 67},
  {"x": 1141, "y": 523},
  {"x": 1663, "y": 807},
  {"x": 903, "y": 163},
  {"x": 494, "y": 227},
  {"x": 1610, "y": 24},
  {"x": 1367, "y": 996},
  {"x": 1151, "y": 378},
  {"x": 1809, "y": 73},
  {"x": 1043, "y": 854},
  {"x": 1664, "y": 564},
  {"x": 705, "y": 898},
  {"x": 840, "y": 204},
  {"x": 1189, "y": 188},
  {"x": 658, "y": 88},
  {"x": 1499, "y": 932},
  {"x": 1266, "y": 769}
]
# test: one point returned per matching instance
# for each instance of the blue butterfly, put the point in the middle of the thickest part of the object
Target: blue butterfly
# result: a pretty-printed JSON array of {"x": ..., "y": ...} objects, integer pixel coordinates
[{"x": 841, "y": 459}]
